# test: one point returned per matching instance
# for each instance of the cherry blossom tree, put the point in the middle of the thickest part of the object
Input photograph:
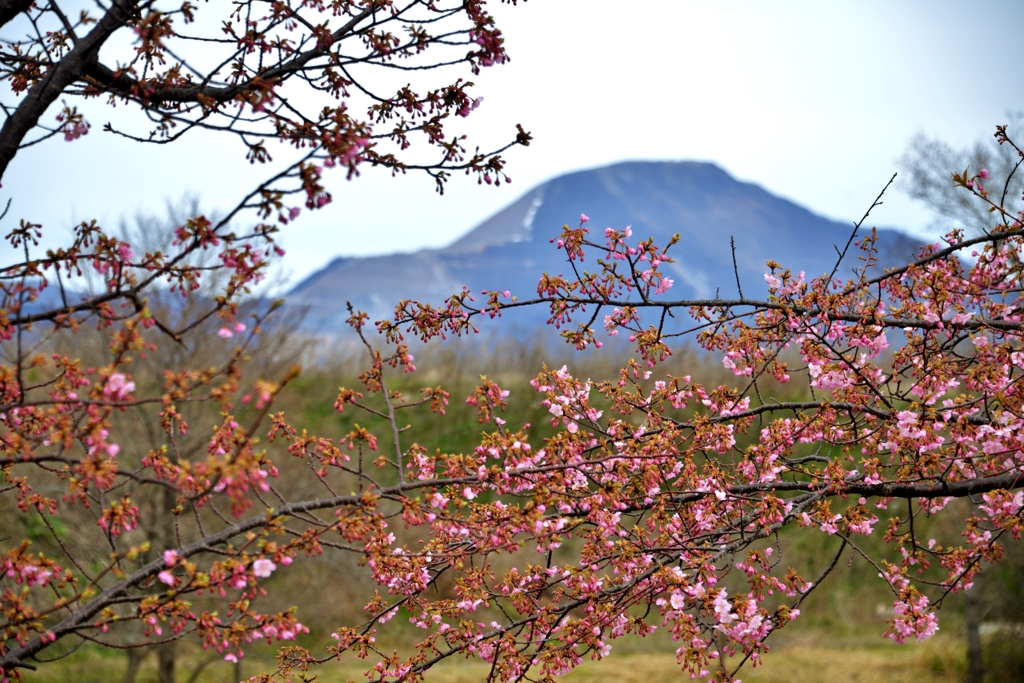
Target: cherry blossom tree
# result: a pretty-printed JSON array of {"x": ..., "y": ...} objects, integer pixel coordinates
[
  {"x": 318, "y": 78},
  {"x": 925, "y": 177},
  {"x": 656, "y": 503},
  {"x": 675, "y": 489}
]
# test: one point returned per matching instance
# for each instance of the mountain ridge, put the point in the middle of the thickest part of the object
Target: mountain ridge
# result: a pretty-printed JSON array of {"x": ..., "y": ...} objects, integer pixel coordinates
[{"x": 510, "y": 249}]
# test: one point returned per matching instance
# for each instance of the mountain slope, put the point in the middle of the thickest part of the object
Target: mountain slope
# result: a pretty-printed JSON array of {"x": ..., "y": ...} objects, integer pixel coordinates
[{"x": 510, "y": 250}]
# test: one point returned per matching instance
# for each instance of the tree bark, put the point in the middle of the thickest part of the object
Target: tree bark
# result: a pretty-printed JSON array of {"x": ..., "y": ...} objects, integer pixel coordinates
[
  {"x": 972, "y": 632},
  {"x": 194, "y": 676},
  {"x": 45, "y": 92},
  {"x": 135, "y": 657},
  {"x": 165, "y": 538},
  {"x": 166, "y": 654},
  {"x": 12, "y": 8}
]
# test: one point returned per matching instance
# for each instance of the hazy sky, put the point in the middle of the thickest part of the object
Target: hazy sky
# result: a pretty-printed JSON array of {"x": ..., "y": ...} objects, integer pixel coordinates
[{"x": 812, "y": 100}]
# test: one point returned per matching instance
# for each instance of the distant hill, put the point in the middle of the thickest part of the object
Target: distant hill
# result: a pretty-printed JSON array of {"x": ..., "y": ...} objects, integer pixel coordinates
[{"x": 511, "y": 249}]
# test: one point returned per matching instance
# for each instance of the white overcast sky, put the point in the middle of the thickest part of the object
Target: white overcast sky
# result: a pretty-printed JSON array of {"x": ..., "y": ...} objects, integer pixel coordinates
[{"x": 812, "y": 100}]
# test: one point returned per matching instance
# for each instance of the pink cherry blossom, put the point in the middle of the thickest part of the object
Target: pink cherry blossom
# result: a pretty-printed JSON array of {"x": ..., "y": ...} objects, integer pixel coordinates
[
  {"x": 263, "y": 567},
  {"x": 118, "y": 386}
]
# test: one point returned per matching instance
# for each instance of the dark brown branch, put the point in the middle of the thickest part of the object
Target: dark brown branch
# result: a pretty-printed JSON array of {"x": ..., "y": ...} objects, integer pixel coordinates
[
  {"x": 48, "y": 89},
  {"x": 12, "y": 8},
  {"x": 79, "y": 619},
  {"x": 131, "y": 87}
]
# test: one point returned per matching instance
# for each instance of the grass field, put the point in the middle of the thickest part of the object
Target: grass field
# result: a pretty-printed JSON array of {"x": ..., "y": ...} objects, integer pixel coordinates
[
  {"x": 801, "y": 660},
  {"x": 838, "y": 639}
]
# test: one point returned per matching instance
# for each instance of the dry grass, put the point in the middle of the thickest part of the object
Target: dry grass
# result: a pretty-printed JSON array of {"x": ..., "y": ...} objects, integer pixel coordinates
[{"x": 940, "y": 659}]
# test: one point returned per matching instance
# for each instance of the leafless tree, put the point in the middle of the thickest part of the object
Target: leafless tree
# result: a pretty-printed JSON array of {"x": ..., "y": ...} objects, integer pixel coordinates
[{"x": 926, "y": 167}]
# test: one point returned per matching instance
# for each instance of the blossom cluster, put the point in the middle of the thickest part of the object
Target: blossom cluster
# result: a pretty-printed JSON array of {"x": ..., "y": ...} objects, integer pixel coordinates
[{"x": 653, "y": 501}]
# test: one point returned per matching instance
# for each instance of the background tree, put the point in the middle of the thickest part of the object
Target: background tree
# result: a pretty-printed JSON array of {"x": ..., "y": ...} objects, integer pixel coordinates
[
  {"x": 927, "y": 167},
  {"x": 271, "y": 353}
]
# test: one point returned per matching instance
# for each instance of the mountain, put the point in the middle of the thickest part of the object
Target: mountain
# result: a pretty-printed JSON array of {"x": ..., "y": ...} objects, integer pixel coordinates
[{"x": 511, "y": 249}]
